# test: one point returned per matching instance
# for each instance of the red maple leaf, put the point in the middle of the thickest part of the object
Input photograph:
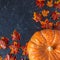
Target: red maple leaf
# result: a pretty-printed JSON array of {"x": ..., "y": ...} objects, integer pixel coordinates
[
  {"x": 40, "y": 3},
  {"x": 55, "y": 16},
  {"x": 2, "y": 44},
  {"x": 10, "y": 57},
  {"x": 14, "y": 47},
  {"x": 24, "y": 49},
  {"x": 16, "y": 35},
  {"x": 57, "y": 25},
  {"x": 57, "y": 5},
  {"x": 46, "y": 24},
  {"x": 5, "y": 39}
]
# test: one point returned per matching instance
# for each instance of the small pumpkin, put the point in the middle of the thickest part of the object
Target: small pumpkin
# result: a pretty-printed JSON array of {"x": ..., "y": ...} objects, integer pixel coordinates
[{"x": 44, "y": 45}]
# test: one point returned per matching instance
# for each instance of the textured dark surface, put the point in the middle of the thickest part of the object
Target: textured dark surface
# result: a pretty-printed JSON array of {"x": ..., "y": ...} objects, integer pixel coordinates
[{"x": 17, "y": 14}]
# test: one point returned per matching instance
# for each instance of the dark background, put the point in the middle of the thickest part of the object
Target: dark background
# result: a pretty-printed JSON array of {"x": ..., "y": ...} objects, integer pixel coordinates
[{"x": 17, "y": 14}]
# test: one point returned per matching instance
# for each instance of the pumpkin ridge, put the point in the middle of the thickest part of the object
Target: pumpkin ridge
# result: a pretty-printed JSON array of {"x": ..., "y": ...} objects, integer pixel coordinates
[
  {"x": 53, "y": 43},
  {"x": 44, "y": 55},
  {"x": 56, "y": 54},
  {"x": 42, "y": 33},
  {"x": 38, "y": 39},
  {"x": 40, "y": 48},
  {"x": 34, "y": 43},
  {"x": 50, "y": 55}
]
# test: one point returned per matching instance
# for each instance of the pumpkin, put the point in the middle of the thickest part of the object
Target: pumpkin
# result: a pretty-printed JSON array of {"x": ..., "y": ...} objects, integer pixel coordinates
[{"x": 44, "y": 45}]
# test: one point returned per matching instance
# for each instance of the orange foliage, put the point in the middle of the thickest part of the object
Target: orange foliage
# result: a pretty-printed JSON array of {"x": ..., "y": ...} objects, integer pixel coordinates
[
  {"x": 14, "y": 47},
  {"x": 46, "y": 24},
  {"x": 45, "y": 13},
  {"x": 57, "y": 4},
  {"x": 49, "y": 3},
  {"x": 24, "y": 49},
  {"x": 37, "y": 16}
]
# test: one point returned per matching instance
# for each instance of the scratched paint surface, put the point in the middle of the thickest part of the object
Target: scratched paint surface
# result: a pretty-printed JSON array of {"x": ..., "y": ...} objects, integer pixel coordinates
[{"x": 17, "y": 14}]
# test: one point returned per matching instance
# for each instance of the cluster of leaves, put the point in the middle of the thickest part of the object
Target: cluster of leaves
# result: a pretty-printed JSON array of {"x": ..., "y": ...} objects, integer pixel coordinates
[
  {"x": 55, "y": 15},
  {"x": 14, "y": 46}
]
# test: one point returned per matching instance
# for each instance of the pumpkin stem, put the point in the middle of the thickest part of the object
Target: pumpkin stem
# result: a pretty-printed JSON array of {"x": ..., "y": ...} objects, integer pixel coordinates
[{"x": 50, "y": 48}]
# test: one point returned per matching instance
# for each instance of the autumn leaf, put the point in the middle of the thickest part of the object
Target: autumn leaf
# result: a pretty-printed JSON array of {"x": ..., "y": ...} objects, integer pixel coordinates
[
  {"x": 2, "y": 44},
  {"x": 16, "y": 35},
  {"x": 40, "y": 3},
  {"x": 46, "y": 24},
  {"x": 24, "y": 49},
  {"x": 10, "y": 57},
  {"x": 57, "y": 4},
  {"x": 45, "y": 13},
  {"x": 14, "y": 47},
  {"x": 49, "y": 3},
  {"x": 37, "y": 17},
  {"x": 55, "y": 15},
  {"x": 57, "y": 25},
  {"x": 5, "y": 39}
]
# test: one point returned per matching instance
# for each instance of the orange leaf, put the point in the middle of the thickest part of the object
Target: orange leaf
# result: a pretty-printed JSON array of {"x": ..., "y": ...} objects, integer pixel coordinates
[
  {"x": 46, "y": 24},
  {"x": 37, "y": 17},
  {"x": 14, "y": 47},
  {"x": 50, "y": 3},
  {"x": 45, "y": 13},
  {"x": 24, "y": 49}
]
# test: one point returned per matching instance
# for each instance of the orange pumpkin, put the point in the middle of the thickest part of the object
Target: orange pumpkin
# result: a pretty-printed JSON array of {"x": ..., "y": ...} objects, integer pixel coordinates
[{"x": 44, "y": 45}]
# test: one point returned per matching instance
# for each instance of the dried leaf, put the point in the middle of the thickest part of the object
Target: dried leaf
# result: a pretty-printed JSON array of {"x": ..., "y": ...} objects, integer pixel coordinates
[
  {"x": 14, "y": 47},
  {"x": 55, "y": 15},
  {"x": 45, "y": 13},
  {"x": 10, "y": 57},
  {"x": 5, "y": 39},
  {"x": 16, "y": 35},
  {"x": 46, "y": 24},
  {"x": 57, "y": 4},
  {"x": 2, "y": 45},
  {"x": 57, "y": 25},
  {"x": 49, "y": 3},
  {"x": 37, "y": 17},
  {"x": 40, "y": 3},
  {"x": 24, "y": 49}
]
